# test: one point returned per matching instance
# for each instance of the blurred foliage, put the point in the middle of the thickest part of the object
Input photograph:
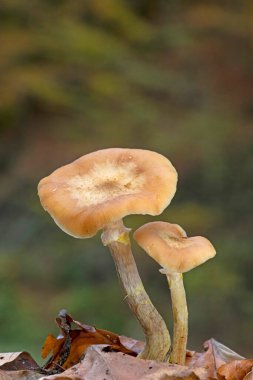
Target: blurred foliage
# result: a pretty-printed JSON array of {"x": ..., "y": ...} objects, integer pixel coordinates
[{"x": 174, "y": 77}]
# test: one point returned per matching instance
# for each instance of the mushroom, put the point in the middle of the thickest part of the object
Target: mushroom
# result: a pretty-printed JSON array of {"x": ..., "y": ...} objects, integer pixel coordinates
[
  {"x": 169, "y": 245},
  {"x": 94, "y": 193}
]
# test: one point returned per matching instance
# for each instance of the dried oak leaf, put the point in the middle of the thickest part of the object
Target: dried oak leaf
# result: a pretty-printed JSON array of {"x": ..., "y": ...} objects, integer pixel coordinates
[
  {"x": 215, "y": 355},
  {"x": 235, "y": 370},
  {"x": 71, "y": 346},
  {"x": 100, "y": 364}
]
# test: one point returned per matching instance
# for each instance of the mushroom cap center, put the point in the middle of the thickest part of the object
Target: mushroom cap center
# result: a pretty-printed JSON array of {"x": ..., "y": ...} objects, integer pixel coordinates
[
  {"x": 105, "y": 181},
  {"x": 173, "y": 239},
  {"x": 175, "y": 242}
]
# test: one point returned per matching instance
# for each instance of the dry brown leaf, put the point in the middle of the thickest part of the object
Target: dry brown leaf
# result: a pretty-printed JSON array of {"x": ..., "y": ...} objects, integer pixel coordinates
[
  {"x": 249, "y": 376},
  {"x": 99, "y": 364},
  {"x": 168, "y": 374},
  {"x": 19, "y": 375},
  {"x": 235, "y": 370},
  {"x": 14, "y": 361},
  {"x": 69, "y": 349},
  {"x": 215, "y": 355},
  {"x": 134, "y": 345},
  {"x": 51, "y": 344},
  {"x": 18, "y": 366}
]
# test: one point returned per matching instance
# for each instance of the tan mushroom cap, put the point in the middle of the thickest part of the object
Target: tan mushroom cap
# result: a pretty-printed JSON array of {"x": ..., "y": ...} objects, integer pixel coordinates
[
  {"x": 106, "y": 185},
  {"x": 169, "y": 245}
]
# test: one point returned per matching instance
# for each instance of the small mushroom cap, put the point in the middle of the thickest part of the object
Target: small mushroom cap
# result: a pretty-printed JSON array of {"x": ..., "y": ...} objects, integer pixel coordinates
[
  {"x": 104, "y": 186},
  {"x": 169, "y": 245}
]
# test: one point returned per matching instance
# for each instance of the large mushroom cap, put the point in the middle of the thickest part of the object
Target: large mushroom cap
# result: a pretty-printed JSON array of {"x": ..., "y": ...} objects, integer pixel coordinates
[
  {"x": 104, "y": 186},
  {"x": 169, "y": 245}
]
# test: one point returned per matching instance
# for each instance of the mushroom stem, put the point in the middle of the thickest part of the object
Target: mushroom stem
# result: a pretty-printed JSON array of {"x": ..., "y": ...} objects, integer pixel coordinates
[
  {"x": 116, "y": 236},
  {"x": 180, "y": 317}
]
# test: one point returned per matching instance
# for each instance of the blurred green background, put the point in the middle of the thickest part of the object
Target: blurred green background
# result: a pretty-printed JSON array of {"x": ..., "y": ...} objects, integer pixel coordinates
[{"x": 171, "y": 76}]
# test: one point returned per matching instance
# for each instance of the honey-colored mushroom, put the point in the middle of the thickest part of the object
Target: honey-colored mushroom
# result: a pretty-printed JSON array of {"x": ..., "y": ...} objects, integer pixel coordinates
[
  {"x": 169, "y": 245},
  {"x": 94, "y": 193}
]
